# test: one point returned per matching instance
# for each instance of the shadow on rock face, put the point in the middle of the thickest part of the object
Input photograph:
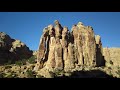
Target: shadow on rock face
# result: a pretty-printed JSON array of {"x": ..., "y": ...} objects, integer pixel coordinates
[
  {"x": 100, "y": 61},
  {"x": 88, "y": 74}
]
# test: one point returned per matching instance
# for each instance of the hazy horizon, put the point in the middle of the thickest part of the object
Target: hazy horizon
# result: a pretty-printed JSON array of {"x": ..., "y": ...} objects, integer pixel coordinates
[{"x": 28, "y": 26}]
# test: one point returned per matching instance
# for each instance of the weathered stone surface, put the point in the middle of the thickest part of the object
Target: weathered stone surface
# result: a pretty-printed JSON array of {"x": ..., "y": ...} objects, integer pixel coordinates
[
  {"x": 42, "y": 45},
  {"x": 64, "y": 37},
  {"x": 70, "y": 62},
  {"x": 84, "y": 44},
  {"x": 58, "y": 29},
  {"x": 112, "y": 56},
  {"x": 58, "y": 55},
  {"x": 51, "y": 56},
  {"x": 69, "y": 50},
  {"x": 11, "y": 49}
]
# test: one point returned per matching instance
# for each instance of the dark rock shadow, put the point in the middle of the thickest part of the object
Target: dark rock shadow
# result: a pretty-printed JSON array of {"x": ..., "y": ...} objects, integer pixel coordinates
[
  {"x": 88, "y": 74},
  {"x": 100, "y": 58}
]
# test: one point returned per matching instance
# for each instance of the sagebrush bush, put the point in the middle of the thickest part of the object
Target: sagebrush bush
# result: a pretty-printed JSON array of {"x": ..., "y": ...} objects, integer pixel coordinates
[
  {"x": 1, "y": 75},
  {"x": 57, "y": 72},
  {"x": 30, "y": 74},
  {"x": 31, "y": 60},
  {"x": 19, "y": 63}
]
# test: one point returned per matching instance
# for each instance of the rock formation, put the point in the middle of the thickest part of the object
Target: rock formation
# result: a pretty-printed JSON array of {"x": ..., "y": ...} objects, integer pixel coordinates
[
  {"x": 112, "y": 56},
  {"x": 11, "y": 49},
  {"x": 60, "y": 49},
  {"x": 61, "y": 53},
  {"x": 100, "y": 60}
]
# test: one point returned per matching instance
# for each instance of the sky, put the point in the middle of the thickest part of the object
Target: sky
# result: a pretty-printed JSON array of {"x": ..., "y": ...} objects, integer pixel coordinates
[{"x": 28, "y": 26}]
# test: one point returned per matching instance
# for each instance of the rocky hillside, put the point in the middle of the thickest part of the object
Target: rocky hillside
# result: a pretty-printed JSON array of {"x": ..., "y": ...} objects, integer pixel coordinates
[
  {"x": 62, "y": 53},
  {"x": 12, "y": 50}
]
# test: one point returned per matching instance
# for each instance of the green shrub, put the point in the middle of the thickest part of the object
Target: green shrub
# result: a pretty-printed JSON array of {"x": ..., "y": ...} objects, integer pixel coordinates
[
  {"x": 1, "y": 75},
  {"x": 31, "y": 60},
  {"x": 118, "y": 68},
  {"x": 19, "y": 63},
  {"x": 11, "y": 75},
  {"x": 23, "y": 61},
  {"x": 110, "y": 73},
  {"x": 57, "y": 72},
  {"x": 30, "y": 74},
  {"x": 1, "y": 39}
]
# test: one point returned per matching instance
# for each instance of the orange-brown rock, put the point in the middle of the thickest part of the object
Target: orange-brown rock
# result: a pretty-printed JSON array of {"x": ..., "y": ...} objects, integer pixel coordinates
[{"x": 65, "y": 50}]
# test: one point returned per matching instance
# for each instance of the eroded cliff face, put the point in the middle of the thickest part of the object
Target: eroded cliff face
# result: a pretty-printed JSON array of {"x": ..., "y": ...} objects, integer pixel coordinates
[{"x": 60, "y": 49}]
